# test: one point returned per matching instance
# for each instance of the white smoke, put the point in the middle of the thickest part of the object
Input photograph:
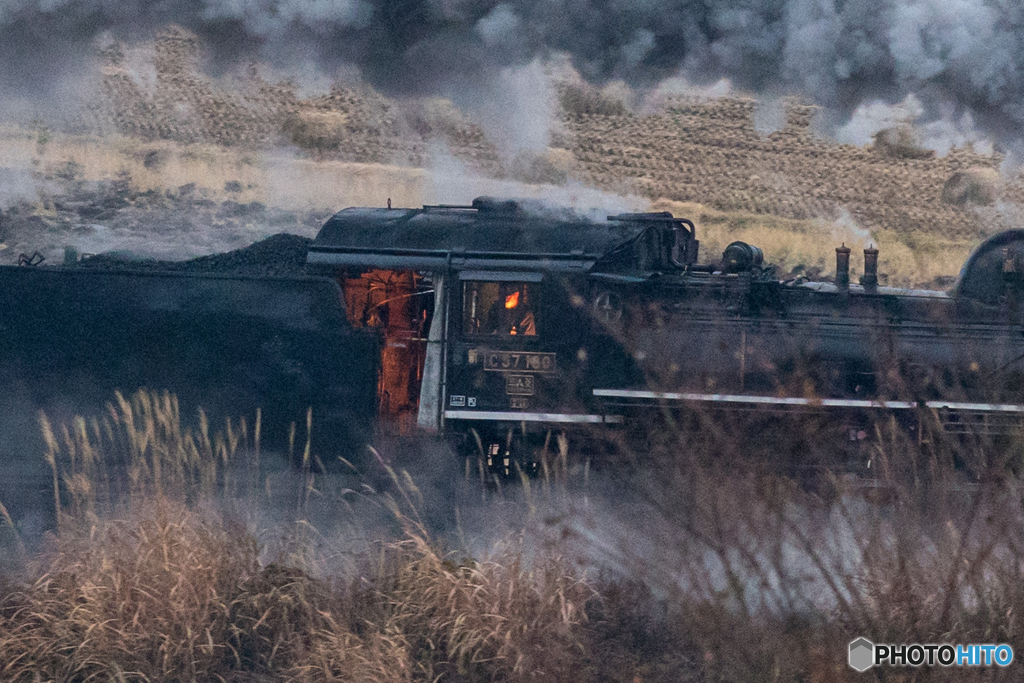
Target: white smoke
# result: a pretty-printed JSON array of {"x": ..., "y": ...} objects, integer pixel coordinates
[
  {"x": 516, "y": 109},
  {"x": 769, "y": 115},
  {"x": 846, "y": 230},
  {"x": 273, "y": 18},
  {"x": 16, "y": 185},
  {"x": 960, "y": 59},
  {"x": 873, "y": 117},
  {"x": 499, "y": 26},
  {"x": 449, "y": 181},
  {"x": 678, "y": 86},
  {"x": 942, "y": 133}
]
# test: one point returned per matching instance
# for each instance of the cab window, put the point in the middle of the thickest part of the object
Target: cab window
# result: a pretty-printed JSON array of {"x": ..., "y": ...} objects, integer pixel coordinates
[{"x": 500, "y": 308}]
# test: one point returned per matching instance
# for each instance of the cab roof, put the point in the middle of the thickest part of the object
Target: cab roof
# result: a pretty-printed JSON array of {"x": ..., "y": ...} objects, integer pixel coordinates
[{"x": 490, "y": 233}]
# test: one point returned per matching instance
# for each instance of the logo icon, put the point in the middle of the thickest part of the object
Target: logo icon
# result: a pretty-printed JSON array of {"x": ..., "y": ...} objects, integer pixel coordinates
[{"x": 862, "y": 654}]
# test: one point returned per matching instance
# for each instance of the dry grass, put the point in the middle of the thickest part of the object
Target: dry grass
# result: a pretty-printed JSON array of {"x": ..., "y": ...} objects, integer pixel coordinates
[
  {"x": 733, "y": 575},
  {"x": 175, "y": 595},
  {"x": 154, "y": 576},
  {"x": 221, "y": 173},
  {"x": 277, "y": 178},
  {"x": 781, "y": 577},
  {"x": 792, "y": 192}
]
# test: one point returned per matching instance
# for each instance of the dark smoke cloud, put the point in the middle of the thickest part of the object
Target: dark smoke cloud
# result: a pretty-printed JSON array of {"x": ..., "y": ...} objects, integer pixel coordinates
[{"x": 956, "y": 56}]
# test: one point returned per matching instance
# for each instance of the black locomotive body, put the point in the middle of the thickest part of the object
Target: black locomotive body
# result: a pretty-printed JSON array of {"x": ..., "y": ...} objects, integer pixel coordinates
[
  {"x": 530, "y": 321},
  {"x": 499, "y": 320}
]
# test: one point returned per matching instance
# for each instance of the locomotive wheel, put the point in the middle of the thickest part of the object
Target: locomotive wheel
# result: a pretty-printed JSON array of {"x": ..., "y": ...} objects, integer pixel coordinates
[{"x": 499, "y": 455}]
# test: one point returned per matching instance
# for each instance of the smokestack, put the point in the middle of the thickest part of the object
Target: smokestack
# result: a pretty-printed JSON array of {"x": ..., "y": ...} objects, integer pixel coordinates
[
  {"x": 843, "y": 267},
  {"x": 870, "y": 277}
]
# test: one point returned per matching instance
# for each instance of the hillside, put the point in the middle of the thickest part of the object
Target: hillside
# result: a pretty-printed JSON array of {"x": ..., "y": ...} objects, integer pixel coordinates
[
  {"x": 704, "y": 151},
  {"x": 164, "y": 143}
]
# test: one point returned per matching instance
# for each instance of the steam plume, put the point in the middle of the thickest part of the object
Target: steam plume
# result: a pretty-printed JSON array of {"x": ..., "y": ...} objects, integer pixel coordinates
[{"x": 956, "y": 57}]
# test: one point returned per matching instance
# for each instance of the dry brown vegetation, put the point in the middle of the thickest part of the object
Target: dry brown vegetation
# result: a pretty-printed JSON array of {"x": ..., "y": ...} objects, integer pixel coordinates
[
  {"x": 686, "y": 149},
  {"x": 159, "y": 573},
  {"x": 710, "y": 152},
  {"x": 153, "y": 575},
  {"x": 350, "y": 123}
]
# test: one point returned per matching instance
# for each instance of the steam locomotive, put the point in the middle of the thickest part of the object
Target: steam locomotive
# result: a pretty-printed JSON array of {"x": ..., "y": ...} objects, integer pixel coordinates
[{"x": 502, "y": 321}]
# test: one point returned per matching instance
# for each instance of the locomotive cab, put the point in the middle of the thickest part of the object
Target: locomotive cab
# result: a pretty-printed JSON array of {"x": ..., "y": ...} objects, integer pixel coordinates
[
  {"x": 399, "y": 305},
  {"x": 486, "y": 312}
]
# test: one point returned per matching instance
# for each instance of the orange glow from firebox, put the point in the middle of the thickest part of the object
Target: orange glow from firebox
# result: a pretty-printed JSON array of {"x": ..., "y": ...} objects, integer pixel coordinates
[{"x": 512, "y": 300}]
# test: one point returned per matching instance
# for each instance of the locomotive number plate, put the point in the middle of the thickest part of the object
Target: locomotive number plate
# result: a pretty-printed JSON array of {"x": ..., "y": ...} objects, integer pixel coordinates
[
  {"x": 519, "y": 385},
  {"x": 519, "y": 361}
]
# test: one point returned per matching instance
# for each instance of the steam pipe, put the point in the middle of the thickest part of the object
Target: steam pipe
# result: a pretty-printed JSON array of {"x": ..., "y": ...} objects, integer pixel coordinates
[
  {"x": 843, "y": 267},
  {"x": 870, "y": 277}
]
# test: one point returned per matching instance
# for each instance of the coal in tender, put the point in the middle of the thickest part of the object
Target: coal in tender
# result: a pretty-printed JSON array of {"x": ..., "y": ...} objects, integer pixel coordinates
[{"x": 280, "y": 255}]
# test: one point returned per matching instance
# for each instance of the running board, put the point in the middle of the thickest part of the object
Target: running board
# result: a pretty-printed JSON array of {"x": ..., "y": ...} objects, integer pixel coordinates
[
  {"x": 511, "y": 416},
  {"x": 751, "y": 400},
  {"x": 809, "y": 402}
]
